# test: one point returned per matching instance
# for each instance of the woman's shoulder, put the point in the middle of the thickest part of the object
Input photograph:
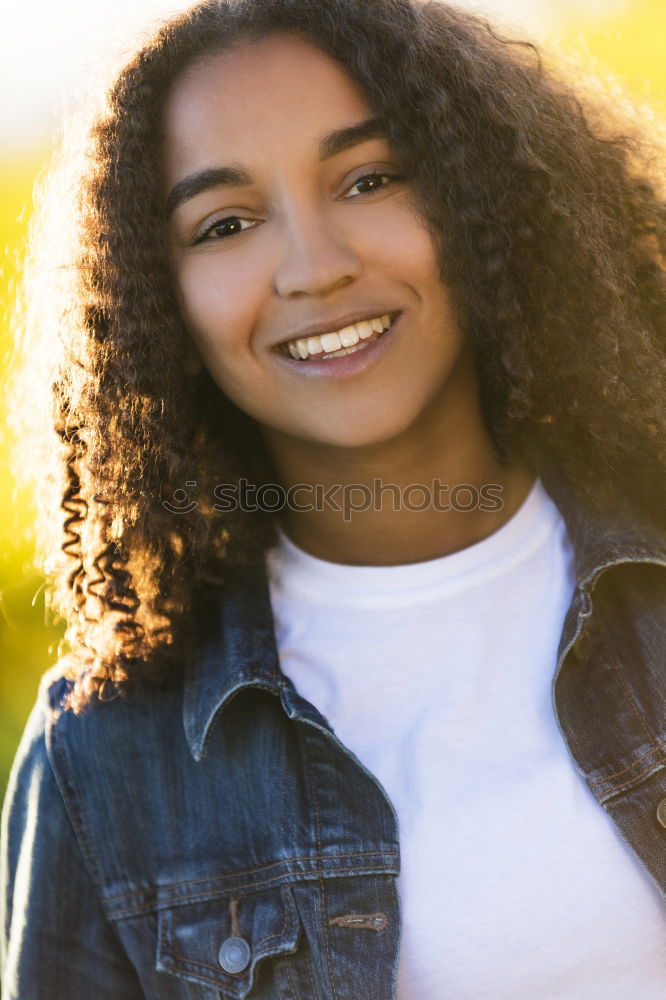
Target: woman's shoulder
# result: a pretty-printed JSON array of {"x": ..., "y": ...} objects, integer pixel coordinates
[
  {"x": 101, "y": 761},
  {"x": 86, "y": 749}
]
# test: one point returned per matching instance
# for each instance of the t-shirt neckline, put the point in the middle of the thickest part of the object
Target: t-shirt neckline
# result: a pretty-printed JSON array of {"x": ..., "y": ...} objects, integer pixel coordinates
[{"x": 316, "y": 578}]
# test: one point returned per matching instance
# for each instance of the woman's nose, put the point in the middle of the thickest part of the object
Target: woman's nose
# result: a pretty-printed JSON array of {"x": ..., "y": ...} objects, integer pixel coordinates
[{"x": 315, "y": 258}]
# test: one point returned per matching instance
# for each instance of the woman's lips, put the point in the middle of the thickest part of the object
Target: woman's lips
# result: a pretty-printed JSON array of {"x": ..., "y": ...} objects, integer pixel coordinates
[
  {"x": 347, "y": 361},
  {"x": 332, "y": 342}
]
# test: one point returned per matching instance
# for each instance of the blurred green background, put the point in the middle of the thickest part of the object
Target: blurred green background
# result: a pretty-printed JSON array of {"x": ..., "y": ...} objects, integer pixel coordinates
[{"x": 623, "y": 36}]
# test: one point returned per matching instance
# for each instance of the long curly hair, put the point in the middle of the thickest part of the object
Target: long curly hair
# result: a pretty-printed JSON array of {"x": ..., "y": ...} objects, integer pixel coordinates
[{"x": 549, "y": 217}]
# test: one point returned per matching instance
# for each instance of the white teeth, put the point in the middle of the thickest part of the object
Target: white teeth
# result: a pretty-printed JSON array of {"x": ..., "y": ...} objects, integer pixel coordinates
[
  {"x": 340, "y": 342},
  {"x": 331, "y": 342},
  {"x": 349, "y": 336},
  {"x": 314, "y": 345},
  {"x": 348, "y": 350}
]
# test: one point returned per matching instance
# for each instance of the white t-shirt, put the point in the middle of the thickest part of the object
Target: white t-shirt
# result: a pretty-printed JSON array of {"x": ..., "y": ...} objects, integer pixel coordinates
[{"x": 437, "y": 676}]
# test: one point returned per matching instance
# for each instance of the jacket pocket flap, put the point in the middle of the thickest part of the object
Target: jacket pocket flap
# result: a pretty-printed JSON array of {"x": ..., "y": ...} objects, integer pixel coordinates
[{"x": 221, "y": 941}]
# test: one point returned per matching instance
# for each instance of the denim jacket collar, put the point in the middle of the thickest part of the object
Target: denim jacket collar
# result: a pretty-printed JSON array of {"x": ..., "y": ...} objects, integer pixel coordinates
[
  {"x": 238, "y": 651},
  {"x": 239, "y": 648},
  {"x": 600, "y": 538}
]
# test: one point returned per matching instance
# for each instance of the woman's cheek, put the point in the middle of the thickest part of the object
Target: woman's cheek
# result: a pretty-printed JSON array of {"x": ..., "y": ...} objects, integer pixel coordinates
[
  {"x": 215, "y": 301},
  {"x": 399, "y": 242}
]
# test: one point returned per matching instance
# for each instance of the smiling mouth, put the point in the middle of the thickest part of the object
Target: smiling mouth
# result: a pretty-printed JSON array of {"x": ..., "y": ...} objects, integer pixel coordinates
[{"x": 338, "y": 343}]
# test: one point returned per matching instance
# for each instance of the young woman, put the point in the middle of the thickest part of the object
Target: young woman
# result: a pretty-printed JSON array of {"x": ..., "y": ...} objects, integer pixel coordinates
[{"x": 359, "y": 388}]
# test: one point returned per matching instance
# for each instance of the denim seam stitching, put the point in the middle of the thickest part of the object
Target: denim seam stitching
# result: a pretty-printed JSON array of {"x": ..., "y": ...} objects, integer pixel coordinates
[
  {"x": 655, "y": 746},
  {"x": 290, "y": 980},
  {"x": 308, "y": 966},
  {"x": 261, "y": 868},
  {"x": 630, "y": 767},
  {"x": 150, "y": 907},
  {"x": 315, "y": 803},
  {"x": 612, "y": 792},
  {"x": 289, "y": 911}
]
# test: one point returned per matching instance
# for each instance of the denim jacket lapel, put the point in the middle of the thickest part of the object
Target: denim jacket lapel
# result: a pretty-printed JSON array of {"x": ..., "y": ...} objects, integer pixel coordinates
[{"x": 238, "y": 651}]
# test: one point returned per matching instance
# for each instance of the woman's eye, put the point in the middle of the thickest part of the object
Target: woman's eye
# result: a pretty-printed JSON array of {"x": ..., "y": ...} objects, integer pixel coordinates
[
  {"x": 222, "y": 228},
  {"x": 369, "y": 183}
]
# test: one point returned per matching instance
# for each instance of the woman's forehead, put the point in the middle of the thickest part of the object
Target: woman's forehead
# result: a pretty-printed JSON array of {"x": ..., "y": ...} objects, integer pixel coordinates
[{"x": 281, "y": 86}]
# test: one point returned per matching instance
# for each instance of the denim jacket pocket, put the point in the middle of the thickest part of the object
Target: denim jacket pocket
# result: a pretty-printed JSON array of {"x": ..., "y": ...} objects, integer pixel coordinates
[{"x": 226, "y": 942}]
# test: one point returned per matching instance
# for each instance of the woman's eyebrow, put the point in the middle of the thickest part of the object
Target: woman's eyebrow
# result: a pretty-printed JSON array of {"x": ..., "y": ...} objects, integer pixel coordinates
[
  {"x": 194, "y": 184},
  {"x": 345, "y": 138},
  {"x": 330, "y": 145}
]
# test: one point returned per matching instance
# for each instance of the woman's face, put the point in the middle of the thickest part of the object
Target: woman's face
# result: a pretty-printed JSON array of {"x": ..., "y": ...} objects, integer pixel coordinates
[{"x": 289, "y": 220}]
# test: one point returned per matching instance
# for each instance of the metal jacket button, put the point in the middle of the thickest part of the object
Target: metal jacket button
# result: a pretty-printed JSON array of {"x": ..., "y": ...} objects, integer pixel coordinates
[
  {"x": 234, "y": 954},
  {"x": 661, "y": 812}
]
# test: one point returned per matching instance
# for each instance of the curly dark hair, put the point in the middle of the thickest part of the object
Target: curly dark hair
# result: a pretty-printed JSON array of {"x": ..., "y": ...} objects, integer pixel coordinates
[{"x": 550, "y": 223}]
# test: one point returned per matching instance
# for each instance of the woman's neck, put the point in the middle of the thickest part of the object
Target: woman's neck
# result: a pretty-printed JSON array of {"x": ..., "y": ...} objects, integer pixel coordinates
[{"x": 433, "y": 490}]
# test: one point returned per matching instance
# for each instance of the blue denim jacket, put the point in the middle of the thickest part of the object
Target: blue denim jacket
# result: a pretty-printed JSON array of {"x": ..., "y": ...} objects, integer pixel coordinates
[{"x": 218, "y": 841}]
